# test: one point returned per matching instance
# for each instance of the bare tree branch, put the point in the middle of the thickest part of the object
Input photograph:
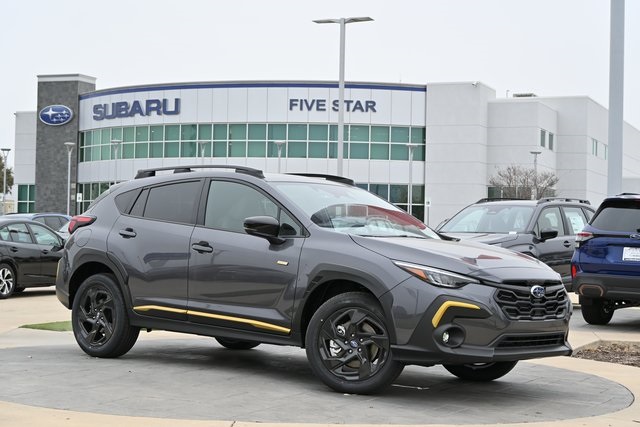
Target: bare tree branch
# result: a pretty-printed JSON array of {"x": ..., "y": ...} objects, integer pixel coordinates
[{"x": 518, "y": 182}]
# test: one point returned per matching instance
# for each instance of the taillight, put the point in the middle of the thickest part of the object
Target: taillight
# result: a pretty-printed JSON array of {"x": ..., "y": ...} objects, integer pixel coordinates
[
  {"x": 574, "y": 270},
  {"x": 80, "y": 221},
  {"x": 582, "y": 237}
]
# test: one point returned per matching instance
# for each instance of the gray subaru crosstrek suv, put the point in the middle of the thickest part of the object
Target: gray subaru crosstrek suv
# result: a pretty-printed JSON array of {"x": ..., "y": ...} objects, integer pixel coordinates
[{"x": 313, "y": 262}]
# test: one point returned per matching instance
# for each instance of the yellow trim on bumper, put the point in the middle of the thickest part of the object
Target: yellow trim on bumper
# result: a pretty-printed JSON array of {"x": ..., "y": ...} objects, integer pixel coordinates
[
  {"x": 255, "y": 323},
  {"x": 445, "y": 306}
]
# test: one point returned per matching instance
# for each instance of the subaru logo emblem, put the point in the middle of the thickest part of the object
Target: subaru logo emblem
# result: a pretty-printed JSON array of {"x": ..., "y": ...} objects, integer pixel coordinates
[
  {"x": 56, "y": 115},
  {"x": 537, "y": 291}
]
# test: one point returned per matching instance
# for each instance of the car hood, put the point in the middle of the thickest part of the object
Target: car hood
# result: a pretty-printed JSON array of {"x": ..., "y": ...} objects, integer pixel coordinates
[
  {"x": 488, "y": 238},
  {"x": 473, "y": 259}
]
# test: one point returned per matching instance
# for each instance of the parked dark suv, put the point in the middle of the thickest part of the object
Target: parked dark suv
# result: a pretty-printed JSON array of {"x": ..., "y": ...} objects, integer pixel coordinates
[
  {"x": 544, "y": 229},
  {"x": 606, "y": 262},
  {"x": 312, "y": 262}
]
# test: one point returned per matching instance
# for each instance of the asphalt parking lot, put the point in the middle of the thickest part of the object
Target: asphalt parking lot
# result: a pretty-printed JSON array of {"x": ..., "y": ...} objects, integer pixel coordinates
[{"x": 175, "y": 377}]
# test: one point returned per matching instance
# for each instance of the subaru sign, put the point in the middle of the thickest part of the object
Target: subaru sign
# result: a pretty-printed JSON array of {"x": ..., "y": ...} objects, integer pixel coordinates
[{"x": 56, "y": 115}]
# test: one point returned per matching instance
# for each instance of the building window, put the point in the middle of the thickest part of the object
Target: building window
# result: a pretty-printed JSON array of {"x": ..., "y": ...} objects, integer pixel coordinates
[
  {"x": 550, "y": 141},
  {"x": 543, "y": 138},
  {"x": 256, "y": 140},
  {"x": 26, "y": 198},
  {"x": 398, "y": 194},
  {"x": 594, "y": 147}
]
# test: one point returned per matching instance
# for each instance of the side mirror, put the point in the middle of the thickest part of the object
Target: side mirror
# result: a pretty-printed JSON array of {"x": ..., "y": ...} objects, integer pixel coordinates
[
  {"x": 547, "y": 234},
  {"x": 266, "y": 227}
]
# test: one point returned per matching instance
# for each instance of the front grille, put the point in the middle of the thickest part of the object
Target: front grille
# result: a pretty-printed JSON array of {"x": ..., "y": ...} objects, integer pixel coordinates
[
  {"x": 529, "y": 341},
  {"x": 517, "y": 303}
]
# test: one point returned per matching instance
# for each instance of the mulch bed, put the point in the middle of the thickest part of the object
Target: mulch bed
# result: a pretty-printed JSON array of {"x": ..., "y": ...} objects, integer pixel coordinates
[{"x": 614, "y": 352}]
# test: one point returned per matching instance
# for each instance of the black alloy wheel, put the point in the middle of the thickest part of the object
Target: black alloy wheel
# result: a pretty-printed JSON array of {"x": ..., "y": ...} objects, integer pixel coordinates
[
  {"x": 7, "y": 281},
  {"x": 232, "y": 344},
  {"x": 348, "y": 345},
  {"x": 481, "y": 371},
  {"x": 99, "y": 318}
]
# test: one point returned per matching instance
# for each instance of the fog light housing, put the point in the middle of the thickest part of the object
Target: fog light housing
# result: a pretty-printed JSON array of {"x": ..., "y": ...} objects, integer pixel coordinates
[{"x": 450, "y": 335}]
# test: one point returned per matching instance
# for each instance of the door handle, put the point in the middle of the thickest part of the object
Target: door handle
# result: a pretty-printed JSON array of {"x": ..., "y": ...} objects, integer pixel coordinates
[
  {"x": 566, "y": 244},
  {"x": 45, "y": 251},
  {"x": 13, "y": 249},
  {"x": 127, "y": 233},
  {"x": 202, "y": 247}
]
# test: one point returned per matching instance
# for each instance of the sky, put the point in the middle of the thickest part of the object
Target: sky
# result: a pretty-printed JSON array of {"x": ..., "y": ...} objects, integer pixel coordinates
[{"x": 547, "y": 47}]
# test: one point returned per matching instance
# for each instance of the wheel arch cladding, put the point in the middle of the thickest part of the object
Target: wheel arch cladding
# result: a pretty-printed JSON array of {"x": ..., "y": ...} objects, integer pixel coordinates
[
  {"x": 86, "y": 270},
  {"x": 329, "y": 289}
]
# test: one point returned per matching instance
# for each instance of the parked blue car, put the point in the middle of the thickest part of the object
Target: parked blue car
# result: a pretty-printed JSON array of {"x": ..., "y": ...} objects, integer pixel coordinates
[{"x": 605, "y": 267}]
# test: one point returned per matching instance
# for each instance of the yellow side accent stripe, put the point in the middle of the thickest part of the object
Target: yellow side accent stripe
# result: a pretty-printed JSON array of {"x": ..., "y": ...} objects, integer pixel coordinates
[
  {"x": 254, "y": 323},
  {"x": 159, "y": 308},
  {"x": 445, "y": 306}
]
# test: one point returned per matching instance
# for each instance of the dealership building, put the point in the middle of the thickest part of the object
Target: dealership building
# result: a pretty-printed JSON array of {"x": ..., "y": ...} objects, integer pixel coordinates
[{"x": 445, "y": 139}]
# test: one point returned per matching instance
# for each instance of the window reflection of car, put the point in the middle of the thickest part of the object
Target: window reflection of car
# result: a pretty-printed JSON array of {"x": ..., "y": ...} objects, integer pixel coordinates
[
  {"x": 544, "y": 229},
  {"x": 29, "y": 254}
]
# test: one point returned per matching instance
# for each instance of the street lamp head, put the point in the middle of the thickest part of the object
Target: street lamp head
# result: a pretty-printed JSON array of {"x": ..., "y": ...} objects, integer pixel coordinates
[
  {"x": 116, "y": 141},
  {"x": 346, "y": 20},
  {"x": 5, "y": 151},
  {"x": 70, "y": 146},
  {"x": 535, "y": 152}
]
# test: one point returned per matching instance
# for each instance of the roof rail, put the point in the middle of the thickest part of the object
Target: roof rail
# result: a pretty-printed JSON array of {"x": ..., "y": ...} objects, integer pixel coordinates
[
  {"x": 497, "y": 199},
  {"x": 335, "y": 178},
  {"x": 144, "y": 173},
  {"x": 563, "y": 199}
]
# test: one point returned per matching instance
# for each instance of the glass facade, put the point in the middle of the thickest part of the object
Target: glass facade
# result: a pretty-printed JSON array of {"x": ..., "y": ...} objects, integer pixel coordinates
[{"x": 244, "y": 140}]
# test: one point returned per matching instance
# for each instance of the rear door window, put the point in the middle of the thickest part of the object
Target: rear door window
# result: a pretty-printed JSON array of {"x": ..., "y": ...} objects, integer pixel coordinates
[
  {"x": 176, "y": 202},
  {"x": 575, "y": 219}
]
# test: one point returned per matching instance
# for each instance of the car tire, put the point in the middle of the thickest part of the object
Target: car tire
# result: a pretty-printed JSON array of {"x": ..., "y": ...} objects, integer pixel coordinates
[
  {"x": 99, "y": 318},
  {"x": 232, "y": 344},
  {"x": 7, "y": 281},
  {"x": 348, "y": 345},
  {"x": 481, "y": 371},
  {"x": 595, "y": 311}
]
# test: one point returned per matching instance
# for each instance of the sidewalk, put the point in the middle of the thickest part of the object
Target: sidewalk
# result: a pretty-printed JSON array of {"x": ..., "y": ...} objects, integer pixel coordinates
[{"x": 44, "y": 308}]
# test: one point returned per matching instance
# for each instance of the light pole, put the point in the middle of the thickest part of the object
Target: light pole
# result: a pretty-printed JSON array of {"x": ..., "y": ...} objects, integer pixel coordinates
[
  {"x": 69, "y": 146},
  {"x": 411, "y": 147},
  {"x": 534, "y": 193},
  {"x": 116, "y": 143},
  {"x": 343, "y": 23},
  {"x": 5, "y": 153},
  {"x": 279, "y": 144}
]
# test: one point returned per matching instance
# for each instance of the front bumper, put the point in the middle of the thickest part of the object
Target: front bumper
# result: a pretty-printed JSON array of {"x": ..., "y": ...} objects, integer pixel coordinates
[{"x": 479, "y": 324}]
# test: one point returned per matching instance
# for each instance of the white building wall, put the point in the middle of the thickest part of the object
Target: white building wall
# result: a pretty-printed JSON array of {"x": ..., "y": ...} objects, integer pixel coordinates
[
  {"x": 514, "y": 132},
  {"x": 24, "y": 163},
  {"x": 456, "y": 151}
]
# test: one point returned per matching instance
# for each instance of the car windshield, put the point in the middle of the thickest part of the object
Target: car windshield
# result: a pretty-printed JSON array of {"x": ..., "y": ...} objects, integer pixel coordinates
[
  {"x": 352, "y": 210},
  {"x": 490, "y": 218}
]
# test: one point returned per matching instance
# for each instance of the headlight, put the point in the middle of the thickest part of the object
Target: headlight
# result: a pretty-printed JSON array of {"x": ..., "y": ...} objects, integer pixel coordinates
[{"x": 435, "y": 276}]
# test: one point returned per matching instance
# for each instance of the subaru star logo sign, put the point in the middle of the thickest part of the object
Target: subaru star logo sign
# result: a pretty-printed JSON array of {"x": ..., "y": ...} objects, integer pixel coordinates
[
  {"x": 537, "y": 291},
  {"x": 56, "y": 115}
]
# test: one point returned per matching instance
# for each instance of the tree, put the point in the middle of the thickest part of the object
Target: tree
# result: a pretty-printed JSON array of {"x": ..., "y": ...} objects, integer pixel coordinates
[
  {"x": 9, "y": 176},
  {"x": 518, "y": 182}
]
